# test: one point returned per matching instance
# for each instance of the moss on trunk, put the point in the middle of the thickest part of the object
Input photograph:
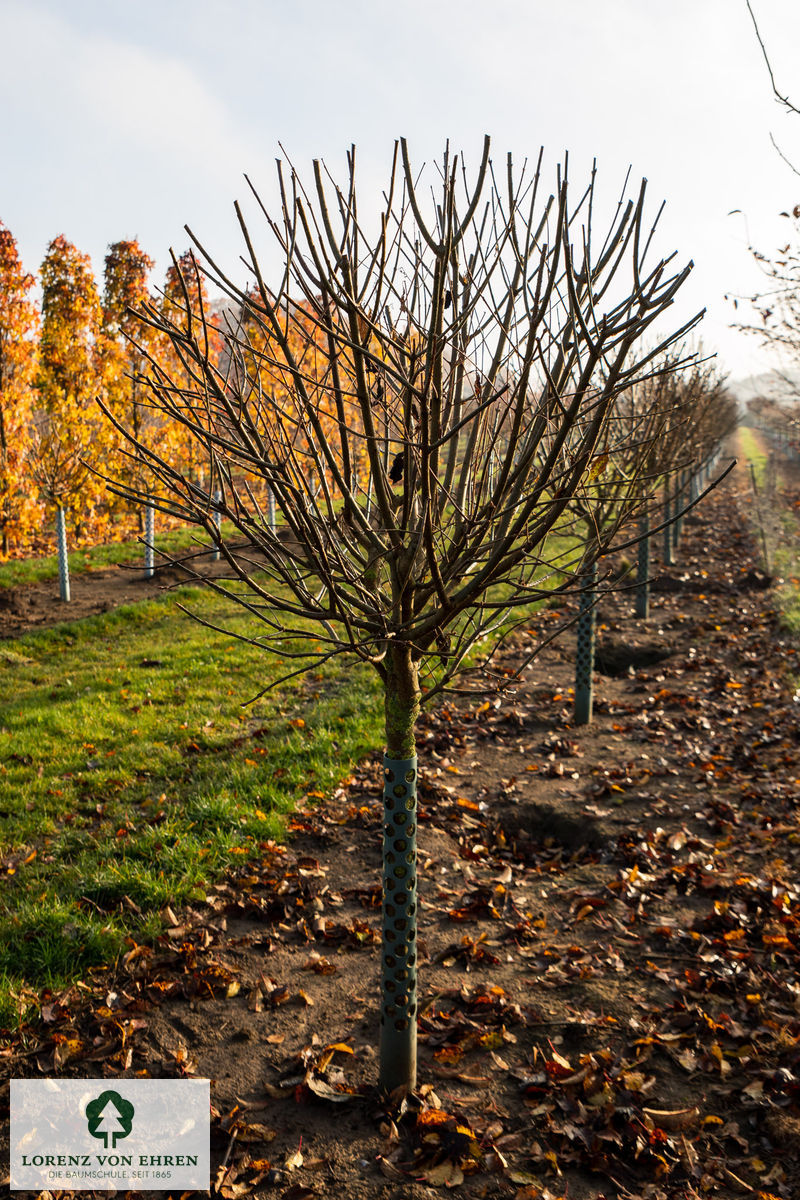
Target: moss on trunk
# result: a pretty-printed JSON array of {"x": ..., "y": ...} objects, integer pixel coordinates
[{"x": 401, "y": 701}]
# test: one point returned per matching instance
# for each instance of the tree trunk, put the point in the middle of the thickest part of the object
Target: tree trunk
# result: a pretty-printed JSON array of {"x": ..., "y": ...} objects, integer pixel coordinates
[{"x": 398, "y": 1052}]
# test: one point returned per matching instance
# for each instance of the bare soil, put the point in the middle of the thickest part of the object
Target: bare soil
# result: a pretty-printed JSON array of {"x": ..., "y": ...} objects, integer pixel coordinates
[
  {"x": 39, "y": 605},
  {"x": 610, "y": 932}
]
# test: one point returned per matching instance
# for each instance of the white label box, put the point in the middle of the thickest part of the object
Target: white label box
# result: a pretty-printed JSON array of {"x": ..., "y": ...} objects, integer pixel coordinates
[{"x": 111, "y": 1135}]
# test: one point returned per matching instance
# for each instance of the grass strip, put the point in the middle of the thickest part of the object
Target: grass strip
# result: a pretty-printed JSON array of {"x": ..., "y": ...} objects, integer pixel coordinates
[{"x": 131, "y": 775}]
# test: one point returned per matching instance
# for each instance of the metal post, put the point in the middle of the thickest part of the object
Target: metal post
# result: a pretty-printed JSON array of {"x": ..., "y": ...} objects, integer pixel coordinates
[
  {"x": 369, "y": 498},
  {"x": 584, "y": 651},
  {"x": 217, "y": 517},
  {"x": 271, "y": 509},
  {"x": 63, "y": 559},
  {"x": 398, "y": 1053},
  {"x": 667, "y": 529},
  {"x": 149, "y": 540},
  {"x": 677, "y": 499},
  {"x": 643, "y": 569}
]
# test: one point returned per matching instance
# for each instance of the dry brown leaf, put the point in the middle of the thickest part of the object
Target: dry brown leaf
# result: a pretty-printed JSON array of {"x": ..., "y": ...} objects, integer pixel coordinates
[{"x": 673, "y": 1118}]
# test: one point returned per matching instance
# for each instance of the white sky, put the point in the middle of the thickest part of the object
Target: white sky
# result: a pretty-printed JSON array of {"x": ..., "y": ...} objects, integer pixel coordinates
[{"x": 130, "y": 119}]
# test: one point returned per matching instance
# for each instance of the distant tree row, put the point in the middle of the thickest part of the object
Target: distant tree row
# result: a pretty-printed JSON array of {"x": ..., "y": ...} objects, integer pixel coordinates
[{"x": 61, "y": 356}]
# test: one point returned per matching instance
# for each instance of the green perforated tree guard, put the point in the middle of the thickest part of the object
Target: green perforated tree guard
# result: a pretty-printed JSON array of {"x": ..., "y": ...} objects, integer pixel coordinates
[
  {"x": 149, "y": 540},
  {"x": 643, "y": 569},
  {"x": 398, "y": 1058},
  {"x": 217, "y": 519},
  {"x": 63, "y": 559},
  {"x": 679, "y": 519},
  {"x": 584, "y": 651}
]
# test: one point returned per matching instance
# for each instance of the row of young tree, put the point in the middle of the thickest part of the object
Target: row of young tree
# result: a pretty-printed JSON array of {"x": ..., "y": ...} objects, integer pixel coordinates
[{"x": 58, "y": 357}]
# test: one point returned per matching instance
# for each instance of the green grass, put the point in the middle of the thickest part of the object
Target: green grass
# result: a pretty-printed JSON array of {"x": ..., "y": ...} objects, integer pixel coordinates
[
  {"x": 751, "y": 449},
  {"x": 94, "y": 558},
  {"x": 131, "y": 776},
  {"x": 784, "y": 560}
]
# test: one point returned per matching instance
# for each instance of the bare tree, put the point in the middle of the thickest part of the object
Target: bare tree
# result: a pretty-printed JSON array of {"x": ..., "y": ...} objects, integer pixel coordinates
[{"x": 423, "y": 391}]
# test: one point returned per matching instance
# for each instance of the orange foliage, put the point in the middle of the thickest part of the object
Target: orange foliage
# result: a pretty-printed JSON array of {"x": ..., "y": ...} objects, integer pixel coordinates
[
  {"x": 185, "y": 301},
  {"x": 19, "y": 322},
  {"x": 122, "y": 347},
  {"x": 67, "y": 432}
]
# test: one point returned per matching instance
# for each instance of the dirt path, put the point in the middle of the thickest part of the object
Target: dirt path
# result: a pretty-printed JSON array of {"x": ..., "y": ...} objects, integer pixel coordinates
[
  {"x": 33, "y": 606},
  {"x": 609, "y": 949}
]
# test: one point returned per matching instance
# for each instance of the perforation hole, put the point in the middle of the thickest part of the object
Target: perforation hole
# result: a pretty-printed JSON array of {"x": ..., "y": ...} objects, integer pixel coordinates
[
  {"x": 399, "y": 790},
  {"x": 400, "y": 976},
  {"x": 410, "y": 802},
  {"x": 389, "y": 858},
  {"x": 401, "y": 898},
  {"x": 389, "y": 935},
  {"x": 390, "y": 910},
  {"x": 390, "y": 961},
  {"x": 401, "y": 949},
  {"x": 412, "y": 829},
  {"x": 400, "y": 924},
  {"x": 389, "y": 985},
  {"x": 411, "y": 776},
  {"x": 388, "y": 775},
  {"x": 399, "y": 872},
  {"x": 389, "y": 884},
  {"x": 400, "y": 1025},
  {"x": 390, "y": 1010},
  {"x": 401, "y": 819}
]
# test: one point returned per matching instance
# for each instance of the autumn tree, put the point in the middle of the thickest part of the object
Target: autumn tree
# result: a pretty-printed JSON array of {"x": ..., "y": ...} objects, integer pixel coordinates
[
  {"x": 472, "y": 347},
  {"x": 68, "y": 434},
  {"x": 124, "y": 359},
  {"x": 125, "y": 291},
  {"x": 19, "y": 323},
  {"x": 777, "y": 304},
  {"x": 185, "y": 299}
]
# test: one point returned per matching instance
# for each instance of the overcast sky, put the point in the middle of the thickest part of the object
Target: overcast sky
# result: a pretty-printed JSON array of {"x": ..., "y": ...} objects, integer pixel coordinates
[{"x": 126, "y": 120}]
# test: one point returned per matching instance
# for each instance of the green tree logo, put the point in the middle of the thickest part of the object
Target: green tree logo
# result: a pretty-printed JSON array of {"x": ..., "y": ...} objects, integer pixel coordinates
[{"x": 110, "y": 1116}]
